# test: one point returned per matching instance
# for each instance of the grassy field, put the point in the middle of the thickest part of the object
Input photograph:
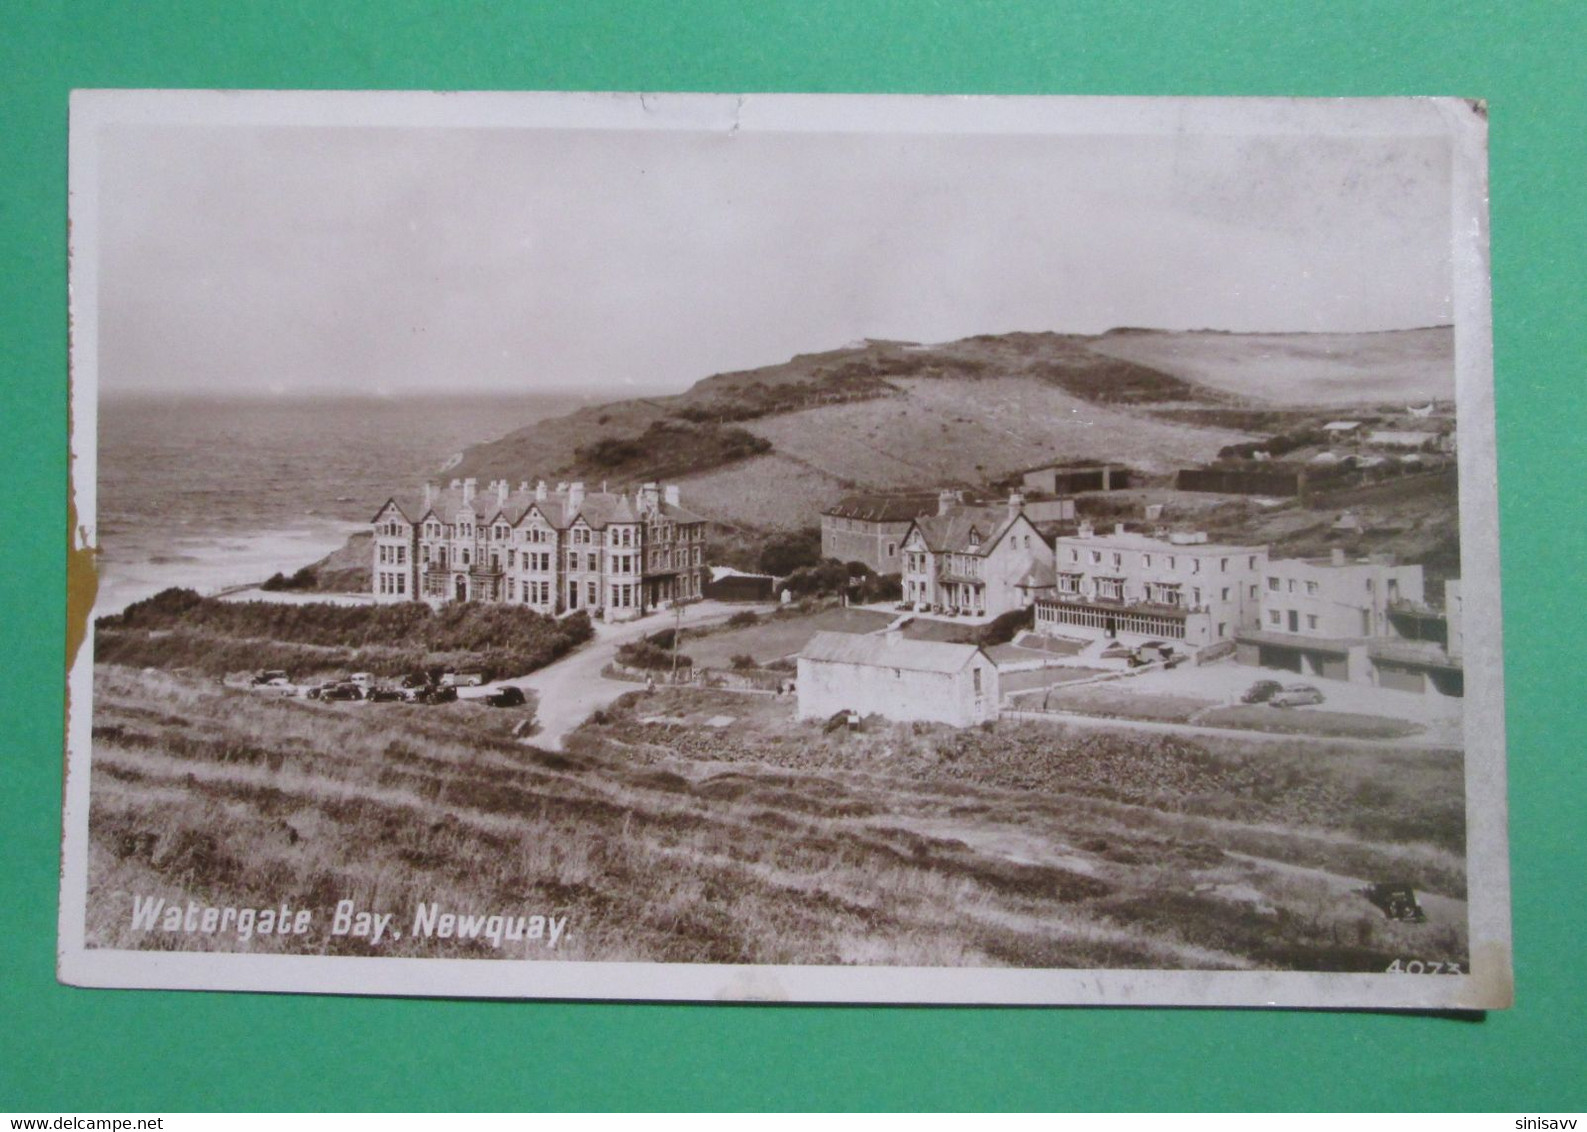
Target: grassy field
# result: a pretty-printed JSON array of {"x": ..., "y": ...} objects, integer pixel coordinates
[
  {"x": 765, "y": 841},
  {"x": 777, "y": 637}
]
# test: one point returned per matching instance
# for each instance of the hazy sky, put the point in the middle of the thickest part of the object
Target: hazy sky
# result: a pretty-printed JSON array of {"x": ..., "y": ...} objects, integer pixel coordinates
[{"x": 247, "y": 259}]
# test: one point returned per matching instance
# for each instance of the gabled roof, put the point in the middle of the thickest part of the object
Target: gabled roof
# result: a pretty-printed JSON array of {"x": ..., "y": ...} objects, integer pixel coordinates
[
  {"x": 1040, "y": 576},
  {"x": 951, "y": 532},
  {"x": 598, "y": 508},
  {"x": 882, "y": 650}
]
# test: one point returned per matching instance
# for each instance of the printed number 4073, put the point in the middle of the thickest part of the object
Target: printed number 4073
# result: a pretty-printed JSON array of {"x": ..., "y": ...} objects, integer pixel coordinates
[{"x": 1418, "y": 967}]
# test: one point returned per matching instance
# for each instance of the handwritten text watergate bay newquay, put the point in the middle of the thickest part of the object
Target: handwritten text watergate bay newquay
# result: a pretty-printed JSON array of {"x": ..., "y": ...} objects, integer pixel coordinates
[{"x": 430, "y": 921}]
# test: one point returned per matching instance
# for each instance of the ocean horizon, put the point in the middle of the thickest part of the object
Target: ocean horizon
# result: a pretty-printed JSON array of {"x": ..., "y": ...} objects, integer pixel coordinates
[{"x": 210, "y": 492}]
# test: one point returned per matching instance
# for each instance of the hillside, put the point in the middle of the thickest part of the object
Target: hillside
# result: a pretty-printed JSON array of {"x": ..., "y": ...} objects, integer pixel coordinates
[
  {"x": 1398, "y": 366},
  {"x": 769, "y": 447}
]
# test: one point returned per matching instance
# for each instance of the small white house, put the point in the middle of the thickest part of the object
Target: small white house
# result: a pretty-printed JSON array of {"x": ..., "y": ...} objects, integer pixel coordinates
[{"x": 889, "y": 675}]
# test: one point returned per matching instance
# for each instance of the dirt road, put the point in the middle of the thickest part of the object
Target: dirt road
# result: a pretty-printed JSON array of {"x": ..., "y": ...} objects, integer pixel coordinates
[{"x": 573, "y": 687}]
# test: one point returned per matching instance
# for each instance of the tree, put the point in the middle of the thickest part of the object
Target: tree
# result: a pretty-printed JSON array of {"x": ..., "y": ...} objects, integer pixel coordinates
[{"x": 785, "y": 553}]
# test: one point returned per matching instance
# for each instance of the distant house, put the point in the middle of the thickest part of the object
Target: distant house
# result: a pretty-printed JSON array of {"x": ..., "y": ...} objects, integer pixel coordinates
[
  {"x": 980, "y": 560},
  {"x": 871, "y": 528},
  {"x": 886, "y": 674},
  {"x": 1061, "y": 479},
  {"x": 1390, "y": 438}
]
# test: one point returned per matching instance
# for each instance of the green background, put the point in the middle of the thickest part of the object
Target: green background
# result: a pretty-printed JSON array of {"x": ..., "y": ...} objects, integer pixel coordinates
[{"x": 65, "y": 1049}]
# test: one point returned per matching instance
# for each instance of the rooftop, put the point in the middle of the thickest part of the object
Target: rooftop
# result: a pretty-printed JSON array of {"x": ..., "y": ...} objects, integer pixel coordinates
[
  {"x": 888, "y": 650},
  {"x": 1130, "y": 540}
]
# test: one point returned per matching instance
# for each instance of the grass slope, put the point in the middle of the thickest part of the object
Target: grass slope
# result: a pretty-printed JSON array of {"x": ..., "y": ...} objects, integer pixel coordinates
[{"x": 765, "y": 841}]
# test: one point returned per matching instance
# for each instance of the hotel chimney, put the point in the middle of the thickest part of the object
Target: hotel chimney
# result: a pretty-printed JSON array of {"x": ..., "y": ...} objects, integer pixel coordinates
[
  {"x": 470, "y": 486},
  {"x": 575, "y": 496}
]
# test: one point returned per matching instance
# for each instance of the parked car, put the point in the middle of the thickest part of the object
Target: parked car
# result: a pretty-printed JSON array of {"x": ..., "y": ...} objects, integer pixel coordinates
[
  {"x": 270, "y": 676},
  {"x": 342, "y": 691},
  {"x": 507, "y": 696},
  {"x": 1261, "y": 692},
  {"x": 470, "y": 677},
  {"x": 383, "y": 694},
  {"x": 1296, "y": 695},
  {"x": 414, "y": 680},
  {"x": 441, "y": 694}
]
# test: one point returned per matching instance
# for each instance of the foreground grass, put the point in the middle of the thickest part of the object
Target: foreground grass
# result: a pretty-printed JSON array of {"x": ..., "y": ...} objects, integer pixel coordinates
[{"x": 761, "y": 842}]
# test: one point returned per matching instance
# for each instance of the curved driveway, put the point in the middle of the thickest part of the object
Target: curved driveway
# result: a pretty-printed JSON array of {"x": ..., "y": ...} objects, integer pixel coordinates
[{"x": 573, "y": 687}]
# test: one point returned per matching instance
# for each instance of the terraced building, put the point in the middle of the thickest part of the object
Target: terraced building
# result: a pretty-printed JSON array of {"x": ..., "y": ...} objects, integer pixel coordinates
[{"x": 614, "y": 554}]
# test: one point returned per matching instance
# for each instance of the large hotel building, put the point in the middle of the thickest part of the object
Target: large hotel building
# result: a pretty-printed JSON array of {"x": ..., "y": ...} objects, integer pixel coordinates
[{"x": 615, "y": 554}]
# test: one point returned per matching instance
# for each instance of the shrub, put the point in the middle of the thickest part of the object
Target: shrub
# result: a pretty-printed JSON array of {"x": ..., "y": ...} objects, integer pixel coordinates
[
  {"x": 743, "y": 619},
  {"x": 644, "y": 654},
  {"x": 1005, "y": 627},
  {"x": 305, "y": 579},
  {"x": 743, "y": 660}
]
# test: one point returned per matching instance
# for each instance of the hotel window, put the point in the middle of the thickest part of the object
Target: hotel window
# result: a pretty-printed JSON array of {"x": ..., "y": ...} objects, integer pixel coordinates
[
  {"x": 1251, "y": 563},
  {"x": 465, "y": 556},
  {"x": 1096, "y": 558},
  {"x": 1223, "y": 628},
  {"x": 1253, "y": 593},
  {"x": 1195, "y": 565},
  {"x": 1273, "y": 584},
  {"x": 1311, "y": 588},
  {"x": 1223, "y": 565},
  {"x": 1074, "y": 555},
  {"x": 1146, "y": 561},
  {"x": 1274, "y": 617},
  {"x": 593, "y": 592},
  {"x": 1311, "y": 621},
  {"x": 1197, "y": 595},
  {"x": 594, "y": 562},
  {"x": 1225, "y": 593},
  {"x": 1173, "y": 563}
]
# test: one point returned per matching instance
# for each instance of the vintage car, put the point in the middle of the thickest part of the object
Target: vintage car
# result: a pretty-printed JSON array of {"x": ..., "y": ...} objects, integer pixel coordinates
[
  {"x": 1261, "y": 692},
  {"x": 507, "y": 696},
  {"x": 1296, "y": 695}
]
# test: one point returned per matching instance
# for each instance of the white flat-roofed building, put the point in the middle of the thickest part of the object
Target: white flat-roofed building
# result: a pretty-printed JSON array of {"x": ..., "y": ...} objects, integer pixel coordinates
[
  {"x": 889, "y": 675},
  {"x": 1180, "y": 588},
  {"x": 1364, "y": 620}
]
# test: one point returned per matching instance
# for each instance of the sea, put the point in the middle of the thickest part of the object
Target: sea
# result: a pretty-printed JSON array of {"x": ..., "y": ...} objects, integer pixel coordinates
[{"x": 212, "y": 493}]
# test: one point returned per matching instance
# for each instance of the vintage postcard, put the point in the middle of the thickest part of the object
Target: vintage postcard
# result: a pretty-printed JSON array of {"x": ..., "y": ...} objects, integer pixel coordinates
[{"x": 808, "y": 548}]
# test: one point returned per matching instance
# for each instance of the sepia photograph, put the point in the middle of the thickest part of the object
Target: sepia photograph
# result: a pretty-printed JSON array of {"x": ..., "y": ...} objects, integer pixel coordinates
[{"x": 809, "y": 548}]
